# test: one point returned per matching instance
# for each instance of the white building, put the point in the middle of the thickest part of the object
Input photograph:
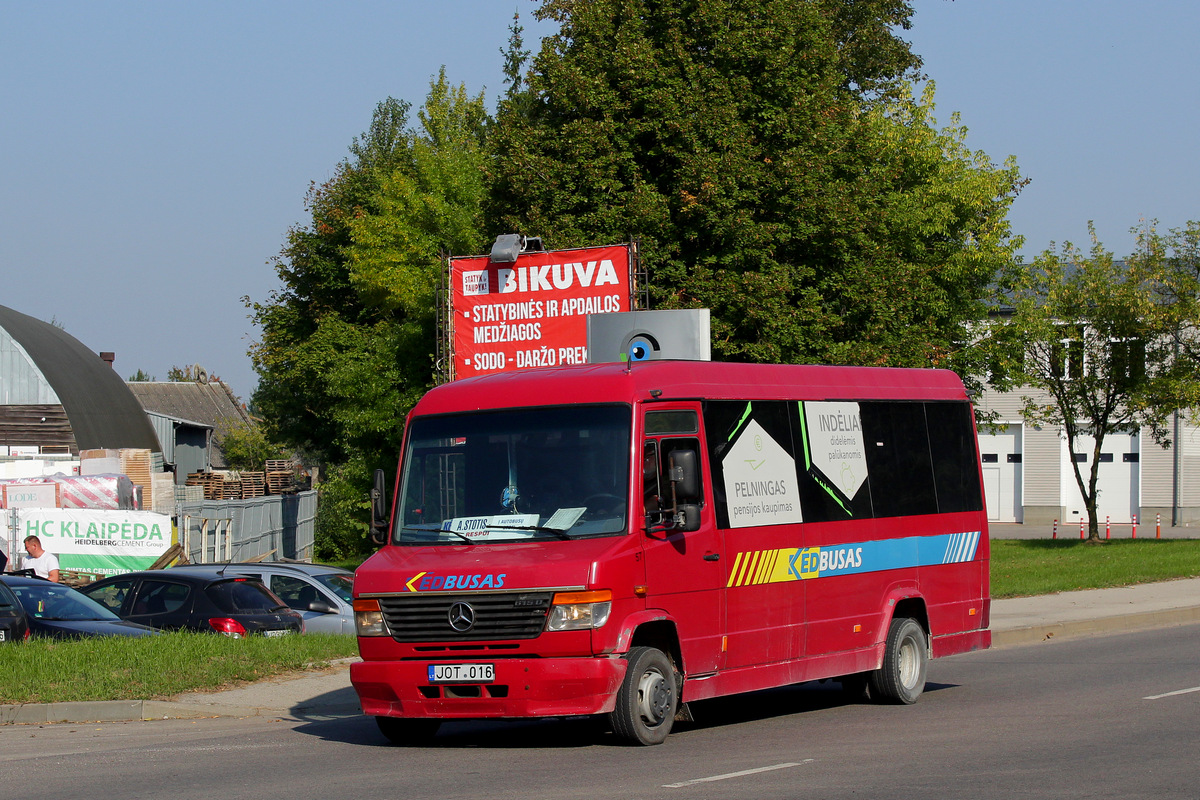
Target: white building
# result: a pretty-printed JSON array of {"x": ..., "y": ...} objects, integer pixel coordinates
[{"x": 1028, "y": 476}]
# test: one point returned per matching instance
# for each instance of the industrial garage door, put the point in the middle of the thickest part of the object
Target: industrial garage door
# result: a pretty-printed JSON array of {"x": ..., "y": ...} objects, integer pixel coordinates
[
  {"x": 1001, "y": 455},
  {"x": 1118, "y": 484}
]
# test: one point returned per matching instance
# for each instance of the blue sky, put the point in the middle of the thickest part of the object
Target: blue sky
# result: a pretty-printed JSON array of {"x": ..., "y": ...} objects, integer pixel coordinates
[{"x": 153, "y": 155}]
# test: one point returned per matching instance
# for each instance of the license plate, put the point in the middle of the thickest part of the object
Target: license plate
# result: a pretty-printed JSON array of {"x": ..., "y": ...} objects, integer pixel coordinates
[
  {"x": 276, "y": 633},
  {"x": 462, "y": 673},
  {"x": 3, "y": 634}
]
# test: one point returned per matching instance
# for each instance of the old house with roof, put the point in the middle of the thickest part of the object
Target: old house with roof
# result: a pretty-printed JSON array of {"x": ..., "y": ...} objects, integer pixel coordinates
[{"x": 189, "y": 417}]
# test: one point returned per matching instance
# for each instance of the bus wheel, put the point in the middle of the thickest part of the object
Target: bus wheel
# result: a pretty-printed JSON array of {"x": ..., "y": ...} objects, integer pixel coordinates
[
  {"x": 407, "y": 732},
  {"x": 901, "y": 678},
  {"x": 648, "y": 698}
]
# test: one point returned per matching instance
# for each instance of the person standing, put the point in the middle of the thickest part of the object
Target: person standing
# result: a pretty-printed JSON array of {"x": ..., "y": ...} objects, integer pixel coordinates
[{"x": 43, "y": 564}]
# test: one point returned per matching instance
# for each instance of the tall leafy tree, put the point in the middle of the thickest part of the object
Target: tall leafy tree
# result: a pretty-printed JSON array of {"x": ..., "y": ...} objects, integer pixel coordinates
[
  {"x": 773, "y": 162},
  {"x": 348, "y": 342},
  {"x": 1112, "y": 345}
]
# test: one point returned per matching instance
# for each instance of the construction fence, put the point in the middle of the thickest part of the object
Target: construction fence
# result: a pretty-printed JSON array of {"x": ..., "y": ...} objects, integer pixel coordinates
[{"x": 271, "y": 528}]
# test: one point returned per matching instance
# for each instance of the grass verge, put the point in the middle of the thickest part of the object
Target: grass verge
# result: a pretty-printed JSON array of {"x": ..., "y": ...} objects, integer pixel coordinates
[
  {"x": 154, "y": 667},
  {"x": 1026, "y": 567}
]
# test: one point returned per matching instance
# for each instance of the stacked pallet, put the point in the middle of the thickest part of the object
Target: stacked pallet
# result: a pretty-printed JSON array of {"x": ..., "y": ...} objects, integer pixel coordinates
[
  {"x": 211, "y": 482},
  {"x": 231, "y": 490},
  {"x": 135, "y": 462},
  {"x": 280, "y": 476},
  {"x": 254, "y": 484}
]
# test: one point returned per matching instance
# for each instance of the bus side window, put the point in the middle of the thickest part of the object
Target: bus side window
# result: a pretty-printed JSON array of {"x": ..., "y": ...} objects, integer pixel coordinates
[{"x": 650, "y": 485}]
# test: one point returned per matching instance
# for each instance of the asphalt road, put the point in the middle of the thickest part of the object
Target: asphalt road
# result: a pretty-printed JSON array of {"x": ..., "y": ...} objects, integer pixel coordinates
[{"x": 1111, "y": 716}]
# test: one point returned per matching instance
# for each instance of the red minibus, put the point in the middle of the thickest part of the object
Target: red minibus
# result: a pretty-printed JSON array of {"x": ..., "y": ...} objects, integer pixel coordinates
[{"x": 626, "y": 538}]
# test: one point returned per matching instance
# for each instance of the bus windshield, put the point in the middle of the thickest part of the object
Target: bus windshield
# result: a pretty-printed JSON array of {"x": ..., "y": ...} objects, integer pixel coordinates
[{"x": 517, "y": 475}]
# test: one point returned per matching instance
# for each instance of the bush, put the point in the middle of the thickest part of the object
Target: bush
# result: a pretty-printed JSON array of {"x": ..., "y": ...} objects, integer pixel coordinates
[{"x": 343, "y": 514}]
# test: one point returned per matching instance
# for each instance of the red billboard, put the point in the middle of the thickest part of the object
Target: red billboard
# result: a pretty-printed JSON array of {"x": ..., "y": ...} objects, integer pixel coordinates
[{"x": 533, "y": 313}]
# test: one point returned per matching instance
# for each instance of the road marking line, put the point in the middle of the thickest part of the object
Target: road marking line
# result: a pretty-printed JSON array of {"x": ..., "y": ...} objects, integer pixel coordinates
[
  {"x": 1172, "y": 694},
  {"x": 741, "y": 774}
]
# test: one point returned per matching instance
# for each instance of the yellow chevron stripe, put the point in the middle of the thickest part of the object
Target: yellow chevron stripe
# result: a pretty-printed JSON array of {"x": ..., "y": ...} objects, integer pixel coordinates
[
  {"x": 733, "y": 572},
  {"x": 761, "y": 575},
  {"x": 753, "y": 567}
]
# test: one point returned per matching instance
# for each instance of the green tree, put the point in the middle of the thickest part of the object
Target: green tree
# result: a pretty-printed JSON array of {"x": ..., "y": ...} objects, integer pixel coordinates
[
  {"x": 246, "y": 446},
  {"x": 1112, "y": 345},
  {"x": 774, "y": 163},
  {"x": 140, "y": 376},
  {"x": 190, "y": 373},
  {"x": 348, "y": 342}
]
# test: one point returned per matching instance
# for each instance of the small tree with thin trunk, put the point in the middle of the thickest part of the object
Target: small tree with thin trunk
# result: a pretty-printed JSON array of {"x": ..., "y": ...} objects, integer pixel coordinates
[{"x": 1111, "y": 343}]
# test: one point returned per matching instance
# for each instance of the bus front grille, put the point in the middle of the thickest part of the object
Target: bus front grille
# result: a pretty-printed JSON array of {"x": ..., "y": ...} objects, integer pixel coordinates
[{"x": 466, "y": 617}]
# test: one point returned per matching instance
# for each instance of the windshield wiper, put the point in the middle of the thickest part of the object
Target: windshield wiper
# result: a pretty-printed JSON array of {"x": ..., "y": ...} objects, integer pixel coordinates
[
  {"x": 437, "y": 529},
  {"x": 559, "y": 532}
]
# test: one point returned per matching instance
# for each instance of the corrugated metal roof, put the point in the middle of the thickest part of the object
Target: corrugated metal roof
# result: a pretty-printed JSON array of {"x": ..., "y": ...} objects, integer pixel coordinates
[
  {"x": 102, "y": 411},
  {"x": 211, "y": 404}
]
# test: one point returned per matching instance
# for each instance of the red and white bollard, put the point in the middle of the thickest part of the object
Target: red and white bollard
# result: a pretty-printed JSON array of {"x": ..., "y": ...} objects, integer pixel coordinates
[
  {"x": 1055, "y": 536},
  {"x": 1135, "y": 526},
  {"x": 1158, "y": 526},
  {"x": 1081, "y": 527},
  {"x": 1107, "y": 528}
]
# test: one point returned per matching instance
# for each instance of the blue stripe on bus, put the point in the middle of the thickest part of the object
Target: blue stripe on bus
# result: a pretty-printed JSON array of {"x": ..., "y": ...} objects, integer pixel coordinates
[{"x": 804, "y": 563}]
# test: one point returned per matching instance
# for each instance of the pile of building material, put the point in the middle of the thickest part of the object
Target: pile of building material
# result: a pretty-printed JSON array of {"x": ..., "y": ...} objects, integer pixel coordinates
[
  {"x": 211, "y": 482},
  {"x": 111, "y": 492},
  {"x": 231, "y": 485},
  {"x": 281, "y": 476},
  {"x": 153, "y": 489},
  {"x": 254, "y": 484}
]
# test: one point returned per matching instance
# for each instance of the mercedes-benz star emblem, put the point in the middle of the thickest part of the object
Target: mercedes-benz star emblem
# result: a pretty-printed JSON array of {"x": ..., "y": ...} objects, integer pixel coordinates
[{"x": 462, "y": 617}]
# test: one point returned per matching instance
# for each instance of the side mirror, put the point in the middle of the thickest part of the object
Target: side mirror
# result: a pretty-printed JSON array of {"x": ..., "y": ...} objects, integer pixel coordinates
[
  {"x": 685, "y": 475},
  {"x": 379, "y": 511},
  {"x": 320, "y": 607},
  {"x": 688, "y": 517}
]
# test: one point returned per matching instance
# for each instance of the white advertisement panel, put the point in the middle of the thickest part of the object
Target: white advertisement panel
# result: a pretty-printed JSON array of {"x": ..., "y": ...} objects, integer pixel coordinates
[
  {"x": 93, "y": 540},
  {"x": 835, "y": 444},
  {"x": 760, "y": 481}
]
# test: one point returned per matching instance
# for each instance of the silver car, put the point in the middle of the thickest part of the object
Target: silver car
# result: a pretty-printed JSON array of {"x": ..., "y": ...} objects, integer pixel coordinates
[{"x": 322, "y": 594}]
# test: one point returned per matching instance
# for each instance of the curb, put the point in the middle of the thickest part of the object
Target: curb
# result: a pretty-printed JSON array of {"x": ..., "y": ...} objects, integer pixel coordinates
[
  {"x": 94, "y": 711},
  {"x": 1125, "y": 623},
  {"x": 149, "y": 710}
]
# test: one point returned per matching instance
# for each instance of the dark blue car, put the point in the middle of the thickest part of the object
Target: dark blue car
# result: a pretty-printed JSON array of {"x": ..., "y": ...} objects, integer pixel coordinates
[
  {"x": 13, "y": 627},
  {"x": 55, "y": 611}
]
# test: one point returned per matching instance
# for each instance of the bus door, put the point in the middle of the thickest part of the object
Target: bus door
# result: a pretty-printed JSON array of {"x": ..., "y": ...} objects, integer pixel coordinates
[{"x": 684, "y": 570}]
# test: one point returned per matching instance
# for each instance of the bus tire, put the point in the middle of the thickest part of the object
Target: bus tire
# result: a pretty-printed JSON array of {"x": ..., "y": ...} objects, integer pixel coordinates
[
  {"x": 901, "y": 677},
  {"x": 407, "y": 732},
  {"x": 648, "y": 698}
]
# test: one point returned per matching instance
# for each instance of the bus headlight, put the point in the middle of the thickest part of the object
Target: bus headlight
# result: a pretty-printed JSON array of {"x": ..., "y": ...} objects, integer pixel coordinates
[
  {"x": 368, "y": 619},
  {"x": 577, "y": 611}
]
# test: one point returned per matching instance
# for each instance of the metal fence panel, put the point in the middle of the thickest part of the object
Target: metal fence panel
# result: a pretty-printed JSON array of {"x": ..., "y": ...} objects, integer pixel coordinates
[{"x": 275, "y": 526}]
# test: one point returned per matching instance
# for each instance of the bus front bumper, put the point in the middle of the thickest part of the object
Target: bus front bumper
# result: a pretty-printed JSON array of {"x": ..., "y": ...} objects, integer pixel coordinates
[{"x": 534, "y": 687}]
